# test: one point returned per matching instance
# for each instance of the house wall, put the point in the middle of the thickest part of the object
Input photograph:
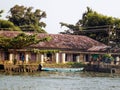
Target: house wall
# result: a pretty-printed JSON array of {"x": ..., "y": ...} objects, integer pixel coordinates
[
  {"x": 61, "y": 57},
  {"x": 71, "y": 57}
]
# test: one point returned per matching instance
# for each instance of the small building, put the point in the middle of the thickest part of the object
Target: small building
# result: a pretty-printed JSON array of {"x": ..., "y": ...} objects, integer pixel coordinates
[{"x": 61, "y": 48}]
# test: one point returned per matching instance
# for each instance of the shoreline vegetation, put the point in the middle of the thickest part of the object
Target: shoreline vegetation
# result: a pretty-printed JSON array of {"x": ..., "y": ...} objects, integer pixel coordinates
[
  {"x": 65, "y": 65},
  {"x": 51, "y": 65},
  {"x": 33, "y": 67}
]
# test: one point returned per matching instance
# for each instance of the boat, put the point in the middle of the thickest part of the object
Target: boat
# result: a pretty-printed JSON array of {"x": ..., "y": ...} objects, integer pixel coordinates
[{"x": 63, "y": 69}]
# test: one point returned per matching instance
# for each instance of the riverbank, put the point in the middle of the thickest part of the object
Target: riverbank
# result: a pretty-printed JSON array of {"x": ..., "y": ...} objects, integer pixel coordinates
[
  {"x": 37, "y": 67},
  {"x": 105, "y": 68}
]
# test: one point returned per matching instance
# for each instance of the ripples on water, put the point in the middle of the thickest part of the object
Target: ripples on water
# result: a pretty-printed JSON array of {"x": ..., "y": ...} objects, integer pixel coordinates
[{"x": 59, "y": 81}]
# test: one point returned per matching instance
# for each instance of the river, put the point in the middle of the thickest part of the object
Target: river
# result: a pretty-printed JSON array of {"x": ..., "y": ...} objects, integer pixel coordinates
[{"x": 59, "y": 81}]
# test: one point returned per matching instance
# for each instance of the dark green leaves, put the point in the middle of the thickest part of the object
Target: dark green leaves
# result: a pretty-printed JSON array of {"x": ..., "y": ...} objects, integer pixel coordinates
[{"x": 24, "y": 17}]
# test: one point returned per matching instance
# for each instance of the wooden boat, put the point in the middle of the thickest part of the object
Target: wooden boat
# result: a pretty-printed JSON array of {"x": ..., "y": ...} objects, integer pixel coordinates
[{"x": 63, "y": 69}]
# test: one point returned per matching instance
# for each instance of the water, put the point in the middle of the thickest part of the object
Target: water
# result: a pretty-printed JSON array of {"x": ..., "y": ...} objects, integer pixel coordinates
[{"x": 59, "y": 81}]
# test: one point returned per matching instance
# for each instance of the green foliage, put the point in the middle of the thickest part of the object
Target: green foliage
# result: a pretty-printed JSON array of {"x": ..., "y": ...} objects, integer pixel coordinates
[
  {"x": 96, "y": 26},
  {"x": 7, "y": 25},
  {"x": 26, "y": 19},
  {"x": 32, "y": 28},
  {"x": 4, "y": 42},
  {"x": 20, "y": 41},
  {"x": 76, "y": 64},
  {"x": 91, "y": 18},
  {"x": 1, "y": 11},
  {"x": 44, "y": 51},
  {"x": 64, "y": 65},
  {"x": 95, "y": 19},
  {"x": 108, "y": 58}
]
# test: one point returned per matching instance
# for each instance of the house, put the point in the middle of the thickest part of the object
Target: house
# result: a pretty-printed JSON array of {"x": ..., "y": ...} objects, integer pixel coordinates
[{"x": 61, "y": 48}]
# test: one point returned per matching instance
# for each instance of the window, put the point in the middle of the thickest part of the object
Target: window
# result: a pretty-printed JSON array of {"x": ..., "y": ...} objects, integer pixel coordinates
[
  {"x": 33, "y": 56},
  {"x": 74, "y": 57},
  {"x": 21, "y": 56},
  {"x": 6, "y": 55}
]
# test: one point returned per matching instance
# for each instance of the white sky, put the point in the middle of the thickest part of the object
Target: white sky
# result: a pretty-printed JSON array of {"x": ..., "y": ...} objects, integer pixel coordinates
[{"x": 67, "y": 11}]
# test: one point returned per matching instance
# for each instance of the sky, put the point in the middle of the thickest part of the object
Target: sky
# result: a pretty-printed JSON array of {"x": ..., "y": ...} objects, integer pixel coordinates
[{"x": 67, "y": 11}]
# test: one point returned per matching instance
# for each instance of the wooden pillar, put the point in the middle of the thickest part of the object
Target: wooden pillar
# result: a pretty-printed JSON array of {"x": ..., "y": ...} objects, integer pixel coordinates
[
  {"x": 57, "y": 57},
  {"x": 63, "y": 57}
]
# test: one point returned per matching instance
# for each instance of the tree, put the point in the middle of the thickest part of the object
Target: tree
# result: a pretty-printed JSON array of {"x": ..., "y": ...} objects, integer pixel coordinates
[
  {"x": 73, "y": 29},
  {"x": 94, "y": 25},
  {"x": 1, "y": 11},
  {"x": 92, "y": 18},
  {"x": 26, "y": 19},
  {"x": 7, "y": 25},
  {"x": 21, "y": 41}
]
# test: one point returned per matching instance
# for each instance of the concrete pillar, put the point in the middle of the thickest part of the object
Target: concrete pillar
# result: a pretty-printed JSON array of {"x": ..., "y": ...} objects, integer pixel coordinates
[
  {"x": 63, "y": 57},
  {"x": 11, "y": 57},
  {"x": 27, "y": 57},
  {"x": 117, "y": 60},
  {"x": 57, "y": 57},
  {"x": 78, "y": 58},
  {"x": 42, "y": 58}
]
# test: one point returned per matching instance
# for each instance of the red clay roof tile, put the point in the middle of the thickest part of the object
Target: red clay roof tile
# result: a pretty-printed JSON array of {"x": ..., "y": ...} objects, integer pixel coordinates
[{"x": 61, "y": 41}]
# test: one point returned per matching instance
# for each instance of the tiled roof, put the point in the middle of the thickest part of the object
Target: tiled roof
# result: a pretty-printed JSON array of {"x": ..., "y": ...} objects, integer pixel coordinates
[
  {"x": 98, "y": 48},
  {"x": 61, "y": 41}
]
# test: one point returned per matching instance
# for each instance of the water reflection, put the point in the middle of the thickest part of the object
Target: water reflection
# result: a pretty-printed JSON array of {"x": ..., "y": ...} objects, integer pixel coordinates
[{"x": 59, "y": 81}]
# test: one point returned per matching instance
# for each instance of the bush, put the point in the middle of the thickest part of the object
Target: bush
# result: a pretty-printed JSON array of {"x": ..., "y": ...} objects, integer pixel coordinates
[
  {"x": 76, "y": 64},
  {"x": 64, "y": 65},
  {"x": 107, "y": 58}
]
